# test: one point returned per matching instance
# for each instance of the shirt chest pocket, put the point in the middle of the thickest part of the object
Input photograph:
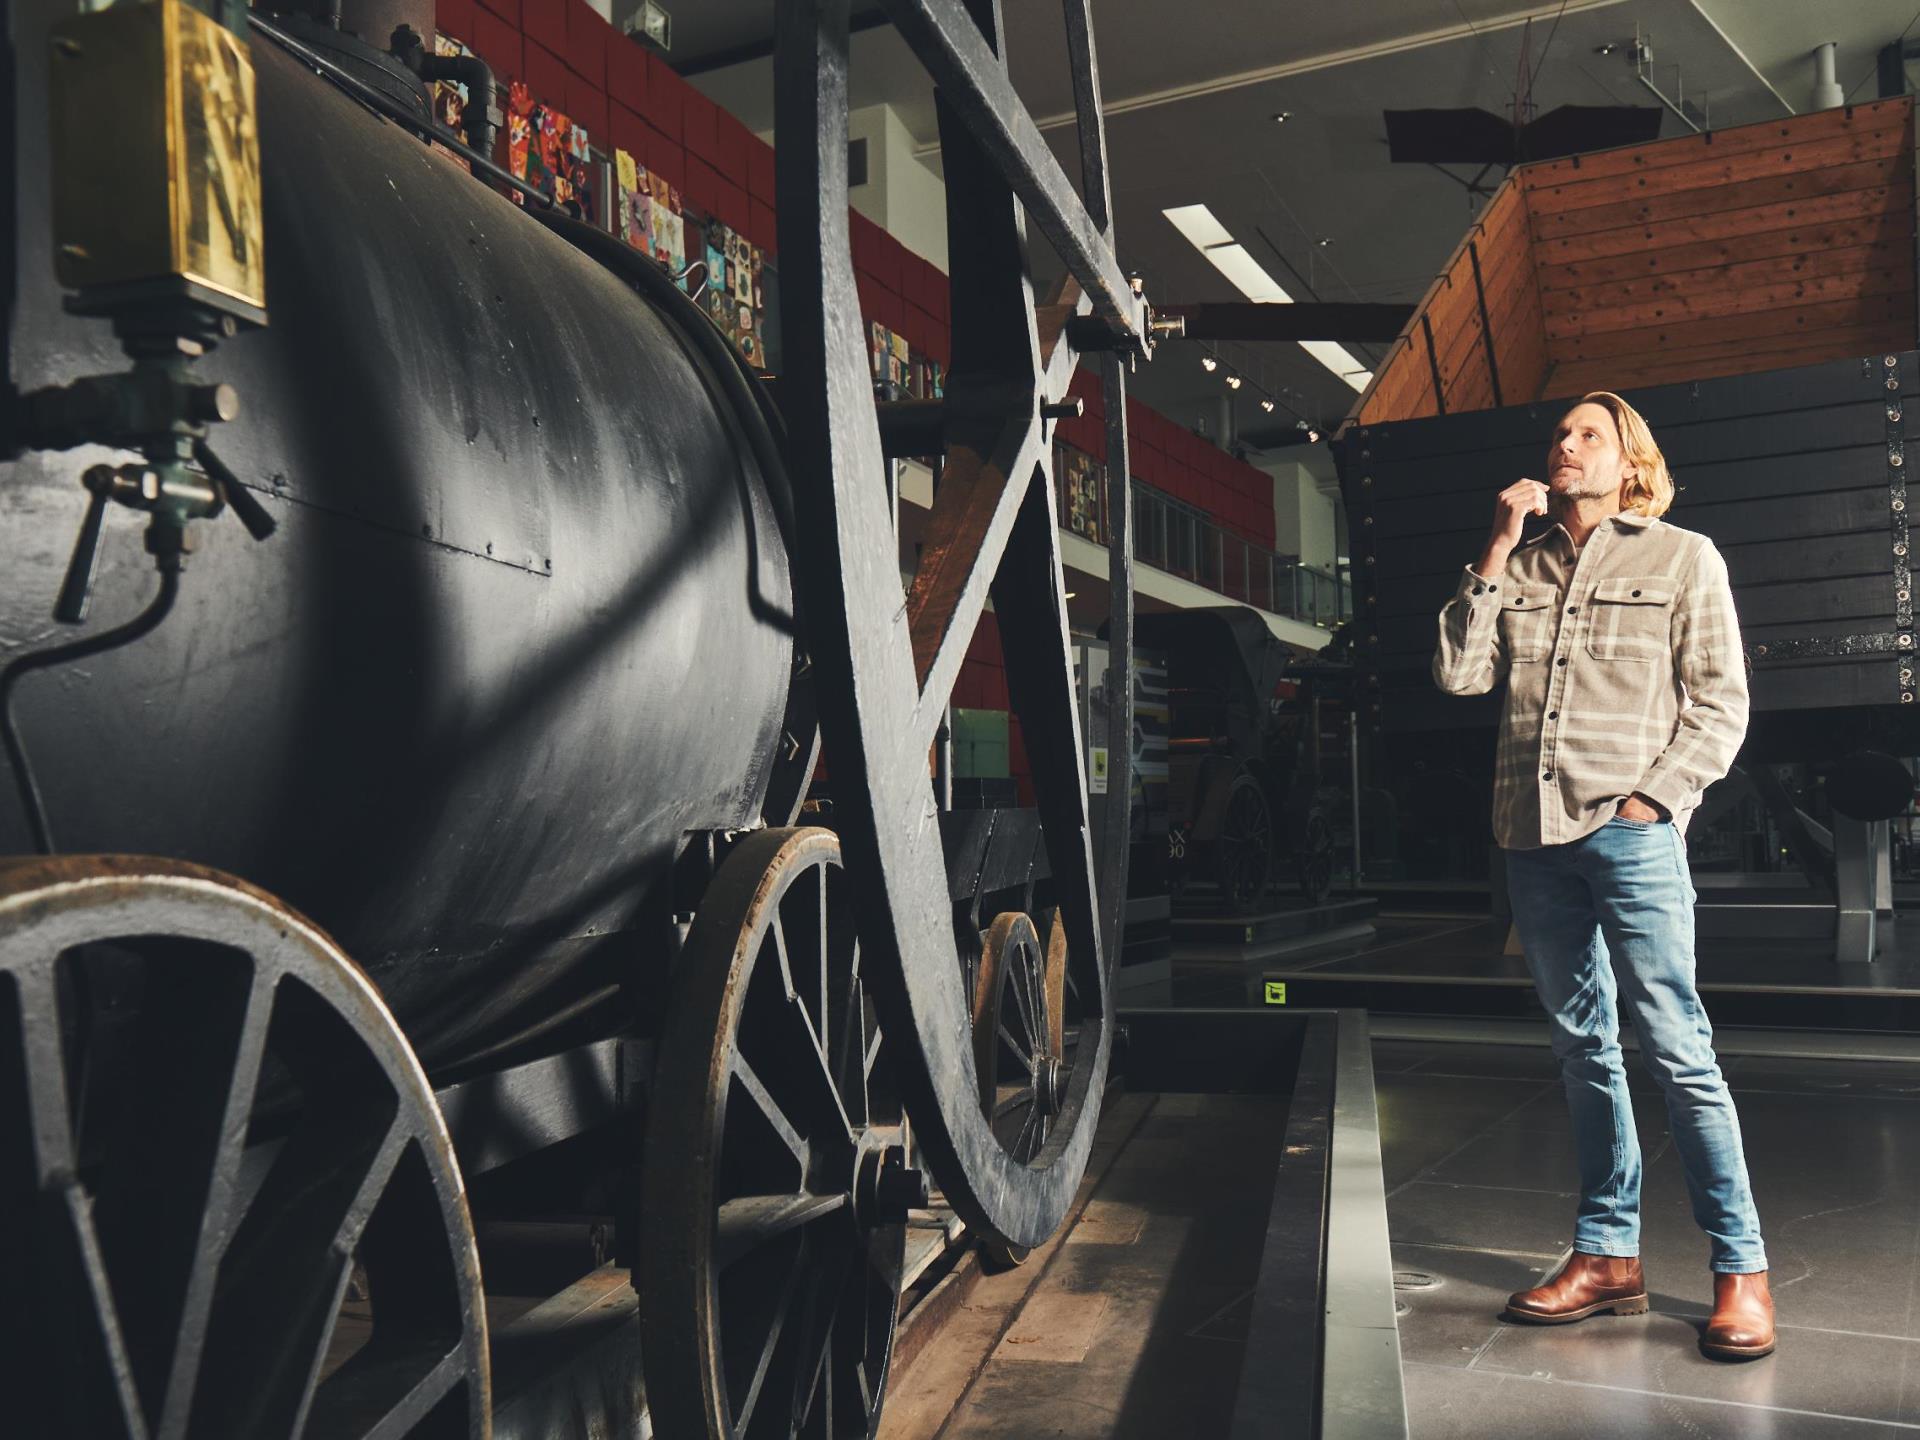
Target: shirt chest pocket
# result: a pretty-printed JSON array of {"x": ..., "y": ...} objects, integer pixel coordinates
[
  {"x": 1631, "y": 619},
  {"x": 1526, "y": 622}
]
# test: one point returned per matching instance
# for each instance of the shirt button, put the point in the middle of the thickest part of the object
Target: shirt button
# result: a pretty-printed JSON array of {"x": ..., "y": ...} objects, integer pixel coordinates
[
  {"x": 1636, "y": 594},
  {"x": 1561, "y": 661},
  {"x": 1493, "y": 587},
  {"x": 1477, "y": 589},
  {"x": 1547, "y": 776},
  {"x": 1572, "y": 608}
]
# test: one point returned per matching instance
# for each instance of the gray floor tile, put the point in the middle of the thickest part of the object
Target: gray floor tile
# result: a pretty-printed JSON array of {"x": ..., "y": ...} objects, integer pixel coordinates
[
  {"x": 1423, "y": 1213},
  {"x": 1861, "y": 1377},
  {"x": 1424, "y": 1118},
  {"x": 1446, "y": 1403},
  {"x": 1450, "y": 1322}
]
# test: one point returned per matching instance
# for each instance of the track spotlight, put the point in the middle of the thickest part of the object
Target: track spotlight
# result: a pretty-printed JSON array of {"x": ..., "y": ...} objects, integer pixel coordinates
[
  {"x": 1233, "y": 382},
  {"x": 1267, "y": 405},
  {"x": 1208, "y": 363},
  {"x": 1281, "y": 117}
]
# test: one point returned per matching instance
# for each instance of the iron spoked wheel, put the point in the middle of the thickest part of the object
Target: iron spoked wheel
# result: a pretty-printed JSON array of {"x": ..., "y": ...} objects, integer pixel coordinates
[
  {"x": 1021, "y": 1045},
  {"x": 1243, "y": 852},
  {"x": 887, "y": 663},
  {"x": 1315, "y": 860},
  {"x": 776, "y": 1185},
  {"x": 209, "y": 1126}
]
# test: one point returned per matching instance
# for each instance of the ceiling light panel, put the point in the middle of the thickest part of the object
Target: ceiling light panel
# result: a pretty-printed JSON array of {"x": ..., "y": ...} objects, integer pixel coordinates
[
  {"x": 1249, "y": 277},
  {"x": 1199, "y": 224}
]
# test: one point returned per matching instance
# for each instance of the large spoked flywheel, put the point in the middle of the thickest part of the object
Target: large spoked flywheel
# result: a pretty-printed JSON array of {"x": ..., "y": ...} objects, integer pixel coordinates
[
  {"x": 886, "y": 658},
  {"x": 228, "y": 1205}
]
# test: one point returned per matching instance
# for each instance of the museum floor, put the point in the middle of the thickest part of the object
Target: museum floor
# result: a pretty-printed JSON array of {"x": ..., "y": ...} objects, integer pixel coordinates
[{"x": 1136, "y": 1328}]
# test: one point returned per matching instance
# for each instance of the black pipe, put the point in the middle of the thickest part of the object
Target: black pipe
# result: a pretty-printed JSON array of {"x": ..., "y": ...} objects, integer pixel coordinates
[
  {"x": 474, "y": 73},
  {"x": 383, "y": 104},
  {"x": 125, "y": 634},
  {"x": 406, "y": 46}
]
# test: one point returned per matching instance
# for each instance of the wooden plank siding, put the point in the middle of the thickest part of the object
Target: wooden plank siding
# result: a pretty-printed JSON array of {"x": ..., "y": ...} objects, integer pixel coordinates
[
  {"x": 1462, "y": 343},
  {"x": 1763, "y": 247}
]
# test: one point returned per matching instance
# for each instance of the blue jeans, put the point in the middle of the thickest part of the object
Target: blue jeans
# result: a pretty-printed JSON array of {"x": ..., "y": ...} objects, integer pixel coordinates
[{"x": 1616, "y": 907}]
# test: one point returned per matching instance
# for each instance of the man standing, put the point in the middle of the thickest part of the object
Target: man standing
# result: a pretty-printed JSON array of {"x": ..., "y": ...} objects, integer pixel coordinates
[{"x": 1626, "y": 697}]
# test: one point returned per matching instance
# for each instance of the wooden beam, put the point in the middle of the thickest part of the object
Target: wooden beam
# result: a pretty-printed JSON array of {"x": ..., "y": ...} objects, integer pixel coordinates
[
  {"x": 1685, "y": 149},
  {"x": 1731, "y": 329},
  {"x": 1486, "y": 325},
  {"x": 1659, "y": 209},
  {"x": 1789, "y": 158},
  {"x": 1715, "y": 304},
  {"x": 1874, "y": 228},
  {"x": 1754, "y": 276},
  {"x": 1855, "y": 205}
]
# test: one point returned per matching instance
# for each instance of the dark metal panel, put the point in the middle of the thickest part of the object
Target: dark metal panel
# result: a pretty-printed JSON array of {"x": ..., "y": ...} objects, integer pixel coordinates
[{"x": 1769, "y": 392}]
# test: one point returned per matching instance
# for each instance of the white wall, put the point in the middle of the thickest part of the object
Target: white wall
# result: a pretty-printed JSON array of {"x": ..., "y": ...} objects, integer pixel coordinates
[
  {"x": 1303, "y": 517},
  {"x": 902, "y": 195}
]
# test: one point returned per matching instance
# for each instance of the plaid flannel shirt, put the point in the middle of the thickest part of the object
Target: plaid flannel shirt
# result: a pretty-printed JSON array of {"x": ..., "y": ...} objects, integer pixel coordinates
[{"x": 1624, "y": 672}]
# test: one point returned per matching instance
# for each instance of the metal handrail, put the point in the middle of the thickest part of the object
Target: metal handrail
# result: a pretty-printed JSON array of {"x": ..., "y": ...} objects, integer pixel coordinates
[{"x": 1183, "y": 540}]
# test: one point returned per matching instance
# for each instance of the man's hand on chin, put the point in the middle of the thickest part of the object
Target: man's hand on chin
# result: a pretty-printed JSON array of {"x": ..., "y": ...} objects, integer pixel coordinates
[{"x": 1637, "y": 807}]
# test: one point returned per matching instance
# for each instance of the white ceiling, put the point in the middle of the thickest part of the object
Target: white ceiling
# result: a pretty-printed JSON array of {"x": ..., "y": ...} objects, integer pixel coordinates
[{"x": 1189, "y": 92}]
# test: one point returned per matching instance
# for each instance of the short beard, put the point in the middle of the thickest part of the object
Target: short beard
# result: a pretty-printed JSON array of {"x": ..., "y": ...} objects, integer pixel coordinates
[{"x": 1582, "y": 487}]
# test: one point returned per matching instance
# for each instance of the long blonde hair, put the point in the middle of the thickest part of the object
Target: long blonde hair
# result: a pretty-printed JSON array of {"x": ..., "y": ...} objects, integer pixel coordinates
[{"x": 1650, "y": 491}]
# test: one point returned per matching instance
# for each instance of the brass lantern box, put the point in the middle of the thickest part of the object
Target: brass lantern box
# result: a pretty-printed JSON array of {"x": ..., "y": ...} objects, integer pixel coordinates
[{"x": 156, "y": 160}]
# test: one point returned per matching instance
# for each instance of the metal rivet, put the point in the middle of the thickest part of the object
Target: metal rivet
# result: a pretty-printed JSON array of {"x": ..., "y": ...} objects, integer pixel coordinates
[
  {"x": 1896, "y": 459},
  {"x": 1759, "y": 649},
  {"x": 1893, "y": 412},
  {"x": 1901, "y": 548},
  {"x": 1892, "y": 383},
  {"x": 1899, "y": 505},
  {"x": 1906, "y": 642},
  {"x": 1892, "y": 360}
]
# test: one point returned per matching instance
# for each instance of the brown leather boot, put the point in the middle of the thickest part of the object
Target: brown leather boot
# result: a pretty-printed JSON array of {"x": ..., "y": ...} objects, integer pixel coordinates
[
  {"x": 1586, "y": 1283},
  {"x": 1742, "y": 1323}
]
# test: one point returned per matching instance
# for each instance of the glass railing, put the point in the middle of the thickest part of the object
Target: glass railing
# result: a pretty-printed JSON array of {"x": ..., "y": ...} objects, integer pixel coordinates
[{"x": 1183, "y": 540}]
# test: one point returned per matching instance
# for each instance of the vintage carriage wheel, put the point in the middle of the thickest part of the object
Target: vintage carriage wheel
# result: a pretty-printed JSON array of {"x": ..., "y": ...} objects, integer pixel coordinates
[
  {"x": 1315, "y": 860},
  {"x": 776, "y": 1180},
  {"x": 1243, "y": 849},
  {"x": 887, "y": 663},
  {"x": 1022, "y": 1043},
  {"x": 210, "y": 1127}
]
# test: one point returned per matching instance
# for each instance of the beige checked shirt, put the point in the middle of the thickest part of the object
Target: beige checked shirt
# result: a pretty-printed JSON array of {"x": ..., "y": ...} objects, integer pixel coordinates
[{"x": 1624, "y": 672}]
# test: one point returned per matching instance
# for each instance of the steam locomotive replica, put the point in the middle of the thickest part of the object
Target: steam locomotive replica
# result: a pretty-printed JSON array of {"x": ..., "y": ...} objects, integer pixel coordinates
[{"x": 487, "y": 733}]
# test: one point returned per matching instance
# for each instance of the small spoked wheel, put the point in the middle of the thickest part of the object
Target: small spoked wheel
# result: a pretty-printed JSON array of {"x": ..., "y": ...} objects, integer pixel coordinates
[
  {"x": 777, "y": 1181},
  {"x": 228, "y": 1203},
  {"x": 1021, "y": 1044},
  {"x": 1244, "y": 851}
]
